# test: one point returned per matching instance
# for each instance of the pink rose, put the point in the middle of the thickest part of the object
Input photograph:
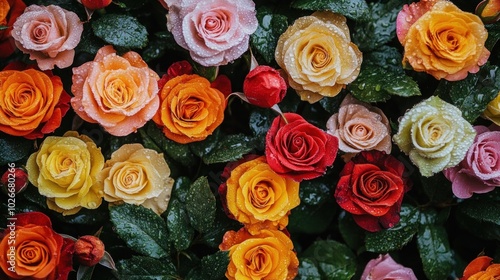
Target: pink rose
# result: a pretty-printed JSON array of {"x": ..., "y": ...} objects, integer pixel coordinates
[
  {"x": 264, "y": 86},
  {"x": 384, "y": 267},
  {"x": 360, "y": 127},
  {"x": 479, "y": 171},
  {"x": 49, "y": 34},
  {"x": 214, "y": 32}
]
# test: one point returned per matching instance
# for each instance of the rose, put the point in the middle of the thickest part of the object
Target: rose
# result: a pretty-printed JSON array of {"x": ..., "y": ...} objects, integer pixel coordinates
[
  {"x": 298, "y": 149},
  {"x": 441, "y": 40},
  {"x": 258, "y": 197},
  {"x": 488, "y": 10},
  {"x": 40, "y": 253},
  {"x": 95, "y": 4},
  {"x": 118, "y": 92},
  {"x": 32, "y": 102},
  {"x": 492, "y": 111},
  {"x": 9, "y": 12},
  {"x": 264, "y": 87},
  {"x": 434, "y": 135},
  {"x": 267, "y": 255},
  {"x": 89, "y": 250},
  {"x": 49, "y": 34},
  {"x": 318, "y": 56},
  {"x": 481, "y": 268},
  {"x": 214, "y": 32},
  {"x": 64, "y": 169},
  {"x": 137, "y": 175},
  {"x": 360, "y": 127},
  {"x": 14, "y": 180},
  {"x": 479, "y": 171},
  {"x": 384, "y": 267},
  {"x": 371, "y": 188},
  {"x": 191, "y": 109}
]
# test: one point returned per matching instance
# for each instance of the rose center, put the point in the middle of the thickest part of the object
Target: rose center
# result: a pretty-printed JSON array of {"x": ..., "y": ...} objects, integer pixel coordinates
[
  {"x": 214, "y": 24},
  {"x": 41, "y": 31},
  {"x": 262, "y": 195},
  {"x": 258, "y": 261},
  {"x": 34, "y": 254},
  {"x": 319, "y": 57},
  {"x": 117, "y": 95}
]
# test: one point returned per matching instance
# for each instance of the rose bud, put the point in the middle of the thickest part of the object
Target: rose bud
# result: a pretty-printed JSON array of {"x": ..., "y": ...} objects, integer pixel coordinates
[
  {"x": 95, "y": 4},
  {"x": 489, "y": 11},
  {"x": 264, "y": 86},
  {"x": 89, "y": 250},
  {"x": 14, "y": 180}
]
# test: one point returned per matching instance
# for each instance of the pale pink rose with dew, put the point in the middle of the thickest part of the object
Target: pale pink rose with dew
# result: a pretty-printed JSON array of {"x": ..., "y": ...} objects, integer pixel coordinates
[
  {"x": 49, "y": 34},
  {"x": 118, "y": 92},
  {"x": 214, "y": 32},
  {"x": 479, "y": 171},
  {"x": 384, "y": 267}
]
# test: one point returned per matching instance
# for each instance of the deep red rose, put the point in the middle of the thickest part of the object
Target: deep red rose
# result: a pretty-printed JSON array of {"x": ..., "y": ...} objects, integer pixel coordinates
[
  {"x": 371, "y": 188},
  {"x": 298, "y": 149},
  {"x": 14, "y": 180},
  {"x": 96, "y": 4},
  {"x": 264, "y": 86},
  {"x": 223, "y": 84},
  {"x": 8, "y": 16}
]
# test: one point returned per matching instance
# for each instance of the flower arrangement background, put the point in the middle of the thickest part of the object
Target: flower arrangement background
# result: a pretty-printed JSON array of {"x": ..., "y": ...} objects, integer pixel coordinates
[{"x": 276, "y": 139}]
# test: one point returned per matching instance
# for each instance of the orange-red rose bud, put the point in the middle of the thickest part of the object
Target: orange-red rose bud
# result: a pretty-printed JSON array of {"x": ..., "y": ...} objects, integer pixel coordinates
[
  {"x": 89, "y": 250},
  {"x": 14, "y": 180},
  {"x": 264, "y": 86},
  {"x": 96, "y": 4}
]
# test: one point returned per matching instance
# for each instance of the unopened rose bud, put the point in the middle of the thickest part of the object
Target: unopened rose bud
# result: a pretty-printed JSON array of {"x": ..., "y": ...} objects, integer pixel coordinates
[
  {"x": 89, "y": 250},
  {"x": 14, "y": 180},
  {"x": 264, "y": 86},
  {"x": 95, "y": 4},
  {"x": 489, "y": 11}
]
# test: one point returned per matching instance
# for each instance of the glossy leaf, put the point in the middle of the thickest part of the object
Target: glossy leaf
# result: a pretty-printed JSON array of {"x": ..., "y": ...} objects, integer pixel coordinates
[
  {"x": 308, "y": 270},
  {"x": 146, "y": 268},
  {"x": 13, "y": 149},
  {"x": 180, "y": 231},
  {"x": 230, "y": 148},
  {"x": 214, "y": 266},
  {"x": 480, "y": 215},
  {"x": 354, "y": 9},
  {"x": 200, "y": 205},
  {"x": 435, "y": 253},
  {"x": 121, "y": 31},
  {"x": 265, "y": 38},
  {"x": 333, "y": 259}
]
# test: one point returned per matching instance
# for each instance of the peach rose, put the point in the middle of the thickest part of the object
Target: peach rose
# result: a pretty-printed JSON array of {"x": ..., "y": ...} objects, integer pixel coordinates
[
  {"x": 258, "y": 197},
  {"x": 49, "y": 34},
  {"x": 191, "y": 109},
  {"x": 32, "y": 103},
  {"x": 318, "y": 56},
  {"x": 118, "y": 92},
  {"x": 441, "y": 40},
  {"x": 137, "y": 175},
  {"x": 360, "y": 127},
  {"x": 64, "y": 169},
  {"x": 9, "y": 11},
  {"x": 38, "y": 252},
  {"x": 267, "y": 255}
]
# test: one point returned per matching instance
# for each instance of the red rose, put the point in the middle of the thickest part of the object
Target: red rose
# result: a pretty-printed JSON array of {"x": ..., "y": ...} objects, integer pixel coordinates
[
  {"x": 96, "y": 4},
  {"x": 371, "y": 187},
  {"x": 298, "y": 149},
  {"x": 14, "y": 180},
  {"x": 264, "y": 86},
  {"x": 10, "y": 10},
  {"x": 40, "y": 253}
]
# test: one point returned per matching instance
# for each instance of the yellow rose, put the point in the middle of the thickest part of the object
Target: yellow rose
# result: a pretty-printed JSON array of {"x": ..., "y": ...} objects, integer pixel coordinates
[
  {"x": 258, "y": 197},
  {"x": 267, "y": 255},
  {"x": 64, "y": 170},
  {"x": 137, "y": 175},
  {"x": 492, "y": 111},
  {"x": 318, "y": 56}
]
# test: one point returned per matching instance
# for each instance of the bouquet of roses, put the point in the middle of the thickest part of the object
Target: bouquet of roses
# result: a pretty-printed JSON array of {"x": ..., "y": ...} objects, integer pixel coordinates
[{"x": 305, "y": 139}]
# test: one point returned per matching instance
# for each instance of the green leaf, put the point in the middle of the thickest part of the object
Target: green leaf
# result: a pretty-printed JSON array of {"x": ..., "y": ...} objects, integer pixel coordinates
[
  {"x": 437, "y": 188},
  {"x": 259, "y": 123},
  {"x": 210, "y": 73},
  {"x": 493, "y": 35},
  {"x": 13, "y": 149},
  {"x": 181, "y": 188},
  {"x": 214, "y": 266},
  {"x": 353, "y": 235},
  {"x": 121, "y": 31},
  {"x": 353, "y": 9},
  {"x": 333, "y": 259},
  {"x": 395, "y": 238},
  {"x": 84, "y": 272},
  {"x": 231, "y": 148},
  {"x": 480, "y": 215},
  {"x": 375, "y": 84},
  {"x": 180, "y": 231},
  {"x": 146, "y": 268},
  {"x": 472, "y": 94},
  {"x": 204, "y": 147},
  {"x": 434, "y": 249},
  {"x": 307, "y": 270},
  {"x": 388, "y": 58},
  {"x": 200, "y": 205},
  {"x": 142, "y": 230},
  {"x": 3, "y": 27},
  {"x": 265, "y": 38},
  {"x": 89, "y": 43}
]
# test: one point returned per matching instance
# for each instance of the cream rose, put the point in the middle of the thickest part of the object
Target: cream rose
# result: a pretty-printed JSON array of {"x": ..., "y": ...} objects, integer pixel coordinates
[
  {"x": 434, "y": 135},
  {"x": 318, "y": 56},
  {"x": 137, "y": 175}
]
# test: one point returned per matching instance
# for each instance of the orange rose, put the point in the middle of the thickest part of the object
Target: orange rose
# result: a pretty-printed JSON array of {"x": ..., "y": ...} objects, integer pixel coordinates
[
  {"x": 481, "y": 268},
  {"x": 190, "y": 109},
  {"x": 442, "y": 40},
  {"x": 9, "y": 11},
  {"x": 32, "y": 250},
  {"x": 32, "y": 102},
  {"x": 118, "y": 92},
  {"x": 266, "y": 255},
  {"x": 258, "y": 197}
]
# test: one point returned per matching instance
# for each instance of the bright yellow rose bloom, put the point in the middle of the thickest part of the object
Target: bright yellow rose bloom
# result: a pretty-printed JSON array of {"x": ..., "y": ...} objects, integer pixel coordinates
[
  {"x": 267, "y": 255},
  {"x": 258, "y": 197},
  {"x": 492, "y": 111},
  {"x": 64, "y": 170},
  {"x": 318, "y": 56},
  {"x": 137, "y": 175}
]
